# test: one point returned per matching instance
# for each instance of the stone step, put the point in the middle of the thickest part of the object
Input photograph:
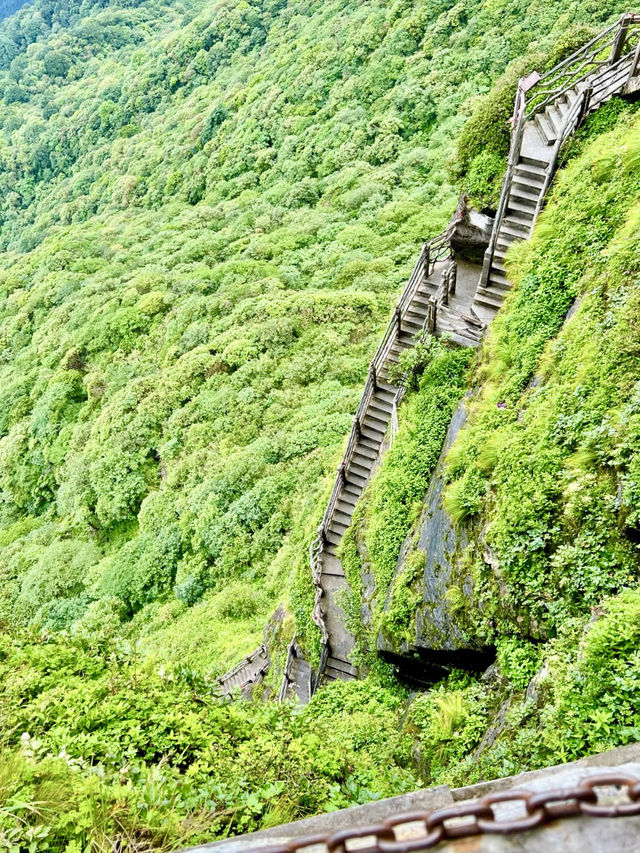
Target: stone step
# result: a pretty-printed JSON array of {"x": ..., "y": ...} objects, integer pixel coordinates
[
  {"x": 505, "y": 241},
  {"x": 546, "y": 131},
  {"x": 555, "y": 118},
  {"x": 341, "y": 517},
  {"x": 499, "y": 280},
  {"x": 336, "y": 526},
  {"x": 514, "y": 232},
  {"x": 380, "y": 417},
  {"x": 360, "y": 463},
  {"x": 336, "y": 571},
  {"x": 351, "y": 489},
  {"x": 384, "y": 390},
  {"x": 342, "y": 665},
  {"x": 371, "y": 434},
  {"x": 524, "y": 194},
  {"x": 334, "y": 538},
  {"x": 527, "y": 189},
  {"x": 356, "y": 479},
  {"x": 463, "y": 339},
  {"x": 421, "y": 301},
  {"x": 523, "y": 210},
  {"x": 356, "y": 470},
  {"x": 416, "y": 312},
  {"x": 412, "y": 326},
  {"x": 373, "y": 428},
  {"x": 517, "y": 224},
  {"x": 369, "y": 442},
  {"x": 346, "y": 506},
  {"x": 532, "y": 174},
  {"x": 534, "y": 162},
  {"x": 366, "y": 452},
  {"x": 485, "y": 296},
  {"x": 380, "y": 411},
  {"x": 608, "y": 81}
]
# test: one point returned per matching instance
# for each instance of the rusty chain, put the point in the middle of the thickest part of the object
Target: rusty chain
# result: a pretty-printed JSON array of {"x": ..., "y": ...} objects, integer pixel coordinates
[{"x": 426, "y": 830}]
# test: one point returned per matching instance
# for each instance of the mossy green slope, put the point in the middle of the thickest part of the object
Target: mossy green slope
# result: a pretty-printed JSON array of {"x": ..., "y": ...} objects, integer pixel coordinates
[
  {"x": 544, "y": 479},
  {"x": 207, "y": 211}
]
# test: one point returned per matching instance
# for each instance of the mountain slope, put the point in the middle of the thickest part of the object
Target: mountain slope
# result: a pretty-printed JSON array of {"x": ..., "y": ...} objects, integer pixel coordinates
[{"x": 207, "y": 210}]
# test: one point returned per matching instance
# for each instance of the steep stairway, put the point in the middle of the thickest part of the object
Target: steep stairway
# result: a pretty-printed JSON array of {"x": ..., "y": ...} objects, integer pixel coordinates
[
  {"x": 548, "y": 110},
  {"x": 363, "y": 452},
  {"x": 447, "y": 295},
  {"x": 246, "y": 674},
  {"x": 297, "y": 682}
]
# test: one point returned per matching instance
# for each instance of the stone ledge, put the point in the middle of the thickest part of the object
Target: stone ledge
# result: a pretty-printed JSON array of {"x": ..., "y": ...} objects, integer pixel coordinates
[{"x": 583, "y": 837}]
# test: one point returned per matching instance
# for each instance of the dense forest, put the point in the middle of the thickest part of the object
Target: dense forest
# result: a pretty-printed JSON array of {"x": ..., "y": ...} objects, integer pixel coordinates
[{"x": 208, "y": 210}]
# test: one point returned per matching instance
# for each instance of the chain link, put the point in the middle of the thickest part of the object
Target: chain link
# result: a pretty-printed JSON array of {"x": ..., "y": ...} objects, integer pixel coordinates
[{"x": 480, "y": 817}]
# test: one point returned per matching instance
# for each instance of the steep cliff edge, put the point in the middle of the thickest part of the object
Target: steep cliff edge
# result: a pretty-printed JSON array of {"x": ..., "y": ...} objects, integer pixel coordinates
[{"x": 540, "y": 496}]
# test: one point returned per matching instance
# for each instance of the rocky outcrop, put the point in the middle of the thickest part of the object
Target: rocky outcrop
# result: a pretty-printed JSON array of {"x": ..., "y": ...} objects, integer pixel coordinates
[
  {"x": 471, "y": 232},
  {"x": 439, "y": 638}
]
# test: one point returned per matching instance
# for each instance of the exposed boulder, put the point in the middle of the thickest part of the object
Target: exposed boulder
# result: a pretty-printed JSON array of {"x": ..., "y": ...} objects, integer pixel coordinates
[
  {"x": 438, "y": 636},
  {"x": 470, "y": 232}
]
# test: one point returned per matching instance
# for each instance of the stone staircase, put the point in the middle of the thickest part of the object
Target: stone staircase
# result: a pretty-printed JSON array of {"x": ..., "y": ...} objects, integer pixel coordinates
[
  {"x": 297, "y": 682},
  {"x": 525, "y": 195},
  {"x": 367, "y": 440},
  {"x": 548, "y": 110},
  {"x": 456, "y": 298},
  {"x": 246, "y": 674}
]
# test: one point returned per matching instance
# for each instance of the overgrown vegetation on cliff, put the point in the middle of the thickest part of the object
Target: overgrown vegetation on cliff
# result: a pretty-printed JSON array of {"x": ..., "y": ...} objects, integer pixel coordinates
[
  {"x": 544, "y": 480},
  {"x": 207, "y": 210}
]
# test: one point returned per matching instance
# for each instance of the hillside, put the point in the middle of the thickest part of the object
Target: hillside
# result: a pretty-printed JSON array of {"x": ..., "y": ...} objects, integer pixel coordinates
[{"x": 208, "y": 211}]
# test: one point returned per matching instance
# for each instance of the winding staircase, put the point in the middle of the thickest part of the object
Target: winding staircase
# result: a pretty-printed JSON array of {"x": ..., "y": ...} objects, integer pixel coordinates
[{"x": 447, "y": 295}]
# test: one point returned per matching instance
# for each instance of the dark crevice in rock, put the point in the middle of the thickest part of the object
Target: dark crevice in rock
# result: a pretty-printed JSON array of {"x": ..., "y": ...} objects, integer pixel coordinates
[{"x": 426, "y": 667}]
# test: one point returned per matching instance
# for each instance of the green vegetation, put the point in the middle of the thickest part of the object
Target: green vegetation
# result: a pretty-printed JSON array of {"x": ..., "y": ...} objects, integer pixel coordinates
[
  {"x": 113, "y": 752},
  {"x": 393, "y": 501},
  {"x": 543, "y": 479},
  {"x": 207, "y": 212},
  {"x": 540, "y": 463},
  {"x": 483, "y": 143}
]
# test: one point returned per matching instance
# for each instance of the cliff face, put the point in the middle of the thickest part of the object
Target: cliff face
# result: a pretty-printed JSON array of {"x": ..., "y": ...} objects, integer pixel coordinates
[
  {"x": 529, "y": 519},
  {"x": 429, "y": 566}
]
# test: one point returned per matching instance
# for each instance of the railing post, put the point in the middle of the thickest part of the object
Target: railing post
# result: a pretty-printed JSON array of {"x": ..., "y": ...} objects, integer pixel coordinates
[
  {"x": 427, "y": 261},
  {"x": 635, "y": 62},
  {"x": 453, "y": 278},
  {"x": 486, "y": 267},
  {"x": 431, "y": 317},
  {"x": 398, "y": 317},
  {"x": 373, "y": 376},
  {"x": 585, "y": 105},
  {"x": 357, "y": 429},
  {"x": 619, "y": 41},
  {"x": 342, "y": 473}
]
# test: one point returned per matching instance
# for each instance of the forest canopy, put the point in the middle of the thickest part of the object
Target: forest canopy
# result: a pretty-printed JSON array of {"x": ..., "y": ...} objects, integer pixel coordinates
[{"x": 208, "y": 211}]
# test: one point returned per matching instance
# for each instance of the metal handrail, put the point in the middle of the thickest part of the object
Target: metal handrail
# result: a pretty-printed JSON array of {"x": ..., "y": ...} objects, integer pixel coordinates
[
  {"x": 575, "y": 69},
  {"x": 517, "y": 125},
  {"x": 580, "y": 68},
  {"x": 430, "y": 254}
]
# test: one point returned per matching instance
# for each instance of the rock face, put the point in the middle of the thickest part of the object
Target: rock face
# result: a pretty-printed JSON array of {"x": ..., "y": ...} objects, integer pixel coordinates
[
  {"x": 439, "y": 640},
  {"x": 471, "y": 232}
]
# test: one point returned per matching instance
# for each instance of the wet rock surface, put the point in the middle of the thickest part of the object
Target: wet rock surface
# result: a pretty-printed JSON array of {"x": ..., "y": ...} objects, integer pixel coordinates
[{"x": 440, "y": 640}]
